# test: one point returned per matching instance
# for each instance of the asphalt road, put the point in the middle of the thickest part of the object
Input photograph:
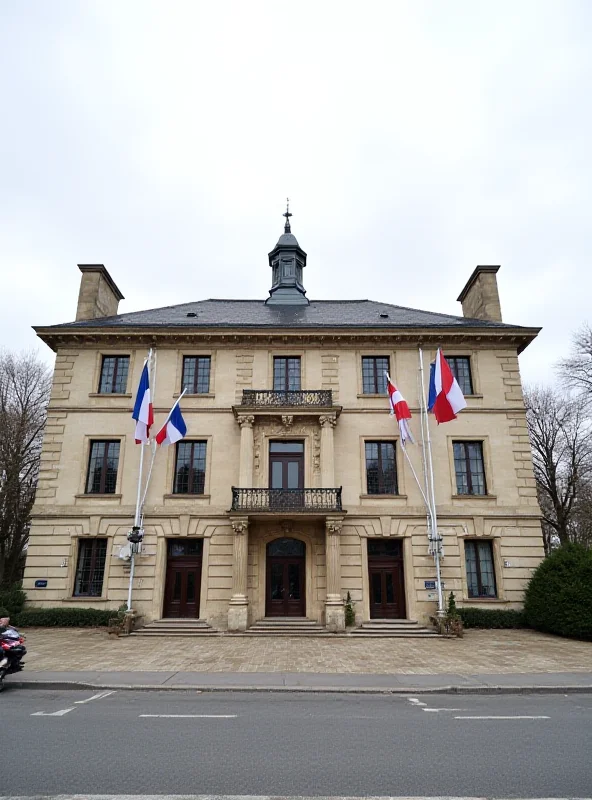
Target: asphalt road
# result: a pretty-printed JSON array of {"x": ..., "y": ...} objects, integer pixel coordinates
[{"x": 148, "y": 743}]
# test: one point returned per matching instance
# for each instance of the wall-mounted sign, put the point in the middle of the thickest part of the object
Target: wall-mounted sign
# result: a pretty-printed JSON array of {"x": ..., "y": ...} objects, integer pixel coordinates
[
  {"x": 429, "y": 584},
  {"x": 41, "y": 584}
]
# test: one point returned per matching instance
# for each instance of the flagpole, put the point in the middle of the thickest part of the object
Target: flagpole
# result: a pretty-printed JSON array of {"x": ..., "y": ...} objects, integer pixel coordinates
[
  {"x": 435, "y": 539},
  {"x": 137, "y": 515}
]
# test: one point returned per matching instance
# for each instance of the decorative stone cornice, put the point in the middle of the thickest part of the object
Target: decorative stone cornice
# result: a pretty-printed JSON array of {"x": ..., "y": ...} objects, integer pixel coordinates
[{"x": 89, "y": 338}]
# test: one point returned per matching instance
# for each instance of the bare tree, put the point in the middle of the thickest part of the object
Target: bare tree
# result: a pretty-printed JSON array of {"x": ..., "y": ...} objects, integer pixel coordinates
[
  {"x": 561, "y": 439},
  {"x": 576, "y": 370},
  {"x": 25, "y": 383}
]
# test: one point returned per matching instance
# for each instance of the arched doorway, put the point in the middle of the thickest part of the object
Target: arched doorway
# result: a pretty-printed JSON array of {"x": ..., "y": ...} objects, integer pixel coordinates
[{"x": 285, "y": 568}]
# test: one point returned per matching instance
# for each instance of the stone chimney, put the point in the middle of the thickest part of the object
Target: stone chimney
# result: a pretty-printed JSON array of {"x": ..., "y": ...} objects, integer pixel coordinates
[
  {"x": 480, "y": 298},
  {"x": 98, "y": 296}
]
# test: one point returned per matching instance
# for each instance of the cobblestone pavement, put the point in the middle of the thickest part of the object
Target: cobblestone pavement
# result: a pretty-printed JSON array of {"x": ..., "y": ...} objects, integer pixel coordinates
[{"x": 480, "y": 652}]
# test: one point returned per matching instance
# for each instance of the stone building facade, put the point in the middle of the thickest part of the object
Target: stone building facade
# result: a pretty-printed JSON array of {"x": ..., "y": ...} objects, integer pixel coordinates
[{"x": 290, "y": 489}]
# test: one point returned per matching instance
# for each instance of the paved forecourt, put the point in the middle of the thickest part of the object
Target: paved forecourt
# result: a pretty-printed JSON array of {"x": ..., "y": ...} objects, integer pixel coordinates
[{"x": 479, "y": 652}]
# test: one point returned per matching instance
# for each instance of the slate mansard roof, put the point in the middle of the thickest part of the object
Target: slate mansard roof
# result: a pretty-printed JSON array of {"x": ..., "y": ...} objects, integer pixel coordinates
[{"x": 256, "y": 314}]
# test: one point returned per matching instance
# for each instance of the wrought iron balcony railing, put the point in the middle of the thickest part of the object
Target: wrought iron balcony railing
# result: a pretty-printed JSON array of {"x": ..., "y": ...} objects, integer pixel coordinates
[
  {"x": 304, "y": 500},
  {"x": 322, "y": 398}
]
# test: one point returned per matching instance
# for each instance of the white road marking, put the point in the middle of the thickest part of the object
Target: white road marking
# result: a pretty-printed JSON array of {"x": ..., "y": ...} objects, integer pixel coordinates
[
  {"x": 416, "y": 702},
  {"x": 98, "y": 696},
  {"x": 512, "y": 717},
  {"x": 52, "y": 713},
  {"x": 435, "y": 710},
  {"x": 190, "y": 716},
  {"x": 234, "y": 797}
]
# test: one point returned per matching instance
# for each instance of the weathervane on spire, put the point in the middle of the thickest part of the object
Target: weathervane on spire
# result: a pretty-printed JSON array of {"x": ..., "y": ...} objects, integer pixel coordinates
[{"x": 287, "y": 215}]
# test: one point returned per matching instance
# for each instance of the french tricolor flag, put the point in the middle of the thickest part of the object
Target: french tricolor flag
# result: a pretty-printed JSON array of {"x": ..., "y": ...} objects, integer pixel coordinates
[
  {"x": 174, "y": 429},
  {"x": 143, "y": 413},
  {"x": 399, "y": 409},
  {"x": 445, "y": 398}
]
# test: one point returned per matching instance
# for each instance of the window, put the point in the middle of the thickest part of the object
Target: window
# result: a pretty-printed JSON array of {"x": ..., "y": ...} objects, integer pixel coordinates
[
  {"x": 373, "y": 374},
  {"x": 114, "y": 371},
  {"x": 196, "y": 374},
  {"x": 286, "y": 374},
  {"x": 90, "y": 568},
  {"x": 190, "y": 468},
  {"x": 102, "y": 468},
  {"x": 460, "y": 366},
  {"x": 468, "y": 465},
  {"x": 480, "y": 571},
  {"x": 381, "y": 469}
]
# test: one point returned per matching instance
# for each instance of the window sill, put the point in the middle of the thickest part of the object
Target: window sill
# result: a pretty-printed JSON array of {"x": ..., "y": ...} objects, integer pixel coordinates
[
  {"x": 378, "y": 396},
  {"x": 474, "y": 497},
  {"x": 186, "y": 496},
  {"x": 473, "y": 600},
  {"x": 85, "y": 599},
  {"x": 97, "y": 496},
  {"x": 110, "y": 394},
  {"x": 199, "y": 394},
  {"x": 383, "y": 497},
  {"x": 474, "y": 396}
]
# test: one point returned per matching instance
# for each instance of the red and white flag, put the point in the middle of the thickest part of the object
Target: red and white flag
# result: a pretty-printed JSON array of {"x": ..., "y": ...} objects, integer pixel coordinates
[{"x": 400, "y": 410}]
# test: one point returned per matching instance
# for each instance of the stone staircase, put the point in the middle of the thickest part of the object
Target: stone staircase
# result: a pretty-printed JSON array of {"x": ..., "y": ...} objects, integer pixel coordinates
[
  {"x": 177, "y": 627},
  {"x": 393, "y": 628},
  {"x": 286, "y": 626}
]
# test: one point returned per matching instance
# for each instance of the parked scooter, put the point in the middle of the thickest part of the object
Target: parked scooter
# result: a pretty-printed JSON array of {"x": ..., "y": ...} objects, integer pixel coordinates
[{"x": 12, "y": 650}]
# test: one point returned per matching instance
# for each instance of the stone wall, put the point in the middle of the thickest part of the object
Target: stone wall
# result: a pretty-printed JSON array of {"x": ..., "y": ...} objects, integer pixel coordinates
[{"x": 508, "y": 515}]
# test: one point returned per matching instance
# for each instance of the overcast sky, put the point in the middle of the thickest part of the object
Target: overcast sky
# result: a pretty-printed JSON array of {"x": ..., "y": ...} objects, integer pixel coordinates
[{"x": 414, "y": 139}]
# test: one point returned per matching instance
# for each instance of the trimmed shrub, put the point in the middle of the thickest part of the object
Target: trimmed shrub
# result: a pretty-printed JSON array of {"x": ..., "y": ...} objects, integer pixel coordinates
[
  {"x": 63, "y": 618},
  {"x": 13, "y": 599},
  {"x": 492, "y": 618},
  {"x": 558, "y": 598},
  {"x": 4, "y": 612},
  {"x": 350, "y": 614}
]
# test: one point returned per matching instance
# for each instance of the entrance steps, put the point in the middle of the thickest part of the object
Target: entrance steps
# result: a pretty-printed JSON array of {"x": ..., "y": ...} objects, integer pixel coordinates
[
  {"x": 286, "y": 626},
  {"x": 393, "y": 628},
  {"x": 177, "y": 627}
]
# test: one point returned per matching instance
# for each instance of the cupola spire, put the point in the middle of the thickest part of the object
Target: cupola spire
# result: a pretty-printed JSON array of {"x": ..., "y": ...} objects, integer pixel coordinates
[
  {"x": 287, "y": 260},
  {"x": 287, "y": 215}
]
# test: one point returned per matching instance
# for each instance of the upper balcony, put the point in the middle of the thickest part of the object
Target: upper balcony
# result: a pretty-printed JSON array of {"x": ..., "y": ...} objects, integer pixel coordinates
[
  {"x": 267, "y": 398},
  {"x": 282, "y": 501}
]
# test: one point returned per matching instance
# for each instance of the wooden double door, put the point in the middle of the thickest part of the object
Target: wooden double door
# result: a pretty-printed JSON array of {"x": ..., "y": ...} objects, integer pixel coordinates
[
  {"x": 386, "y": 576},
  {"x": 285, "y": 573},
  {"x": 183, "y": 578}
]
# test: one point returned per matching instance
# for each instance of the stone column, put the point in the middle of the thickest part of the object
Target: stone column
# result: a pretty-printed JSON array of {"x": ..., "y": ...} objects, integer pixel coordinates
[
  {"x": 327, "y": 423},
  {"x": 334, "y": 609},
  {"x": 238, "y": 609},
  {"x": 245, "y": 472}
]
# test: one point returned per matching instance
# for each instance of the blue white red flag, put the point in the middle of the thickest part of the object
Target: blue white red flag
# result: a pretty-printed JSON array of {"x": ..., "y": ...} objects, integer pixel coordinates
[
  {"x": 143, "y": 413},
  {"x": 174, "y": 429},
  {"x": 445, "y": 398}
]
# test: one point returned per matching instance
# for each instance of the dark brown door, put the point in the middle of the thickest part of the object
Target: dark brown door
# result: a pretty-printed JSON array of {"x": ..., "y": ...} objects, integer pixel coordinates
[
  {"x": 387, "y": 586},
  {"x": 183, "y": 578},
  {"x": 286, "y": 475},
  {"x": 286, "y": 562}
]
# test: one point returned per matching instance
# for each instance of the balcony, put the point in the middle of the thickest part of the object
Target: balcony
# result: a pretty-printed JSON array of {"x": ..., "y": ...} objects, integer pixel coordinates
[
  {"x": 265, "y": 398},
  {"x": 302, "y": 501}
]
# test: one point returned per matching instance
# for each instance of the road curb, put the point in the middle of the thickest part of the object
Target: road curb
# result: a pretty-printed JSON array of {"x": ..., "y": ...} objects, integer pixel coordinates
[{"x": 395, "y": 690}]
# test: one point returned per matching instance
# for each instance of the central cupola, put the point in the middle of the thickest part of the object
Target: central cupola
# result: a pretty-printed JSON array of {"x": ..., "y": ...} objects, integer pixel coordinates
[{"x": 287, "y": 260}]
